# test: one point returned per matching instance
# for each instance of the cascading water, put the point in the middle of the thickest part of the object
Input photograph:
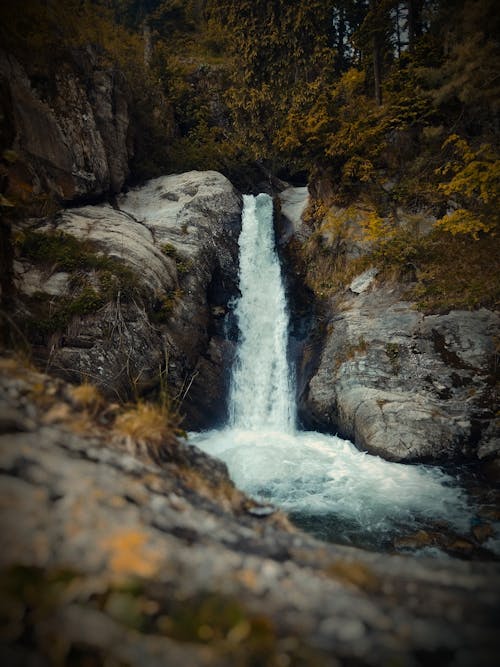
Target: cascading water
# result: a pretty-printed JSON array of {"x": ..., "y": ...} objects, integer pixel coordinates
[
  {"x": 323, "y": 481},
  {"x": 261, "y": 387}
]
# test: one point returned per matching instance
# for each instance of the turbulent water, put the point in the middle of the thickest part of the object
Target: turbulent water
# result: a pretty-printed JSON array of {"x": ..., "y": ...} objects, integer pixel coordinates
[
  {"x": 261, "y": 387},
  {"x": 325, "y": 482}
]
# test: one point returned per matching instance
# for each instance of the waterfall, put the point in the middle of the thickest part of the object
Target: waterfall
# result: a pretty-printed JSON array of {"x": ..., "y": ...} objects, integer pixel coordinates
[
  {"x": 328, "y": 486},
  {"x": 261, "y": 392}
]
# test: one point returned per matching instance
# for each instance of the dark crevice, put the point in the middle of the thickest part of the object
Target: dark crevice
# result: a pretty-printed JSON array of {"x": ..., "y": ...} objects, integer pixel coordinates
[{"x": 449, "y": 357}]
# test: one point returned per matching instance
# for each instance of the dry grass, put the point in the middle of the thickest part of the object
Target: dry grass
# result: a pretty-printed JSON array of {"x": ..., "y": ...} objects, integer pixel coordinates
[
  {"x": 87, "y": 397},
  {"x": 148, "y": 428}
]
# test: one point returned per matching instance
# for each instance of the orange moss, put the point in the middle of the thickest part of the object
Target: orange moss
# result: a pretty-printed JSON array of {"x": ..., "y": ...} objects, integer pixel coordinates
[{"x": 130, "y": 553}]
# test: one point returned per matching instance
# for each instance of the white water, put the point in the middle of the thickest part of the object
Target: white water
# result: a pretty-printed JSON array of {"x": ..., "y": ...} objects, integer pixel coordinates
[
  {"x": 261, "y": 388},
  {"x": 309, "y": 474}
]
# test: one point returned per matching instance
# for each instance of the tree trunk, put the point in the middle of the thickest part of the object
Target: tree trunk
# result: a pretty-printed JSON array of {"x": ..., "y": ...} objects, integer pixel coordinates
[
  {"x": 377, "y": 69},
  {"x": 398, "y": 31},
  {"x": 376, "y": 52},
  {"x": 148, "y": 43},
  {"x": 341, "y": 59},
  {"x": 414, "y": 22}
]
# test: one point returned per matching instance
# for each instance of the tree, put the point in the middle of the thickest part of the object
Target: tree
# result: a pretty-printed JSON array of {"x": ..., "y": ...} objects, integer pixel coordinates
[
  {"x": 278, "y": 48},
  {"x": 414, "y": 22}
]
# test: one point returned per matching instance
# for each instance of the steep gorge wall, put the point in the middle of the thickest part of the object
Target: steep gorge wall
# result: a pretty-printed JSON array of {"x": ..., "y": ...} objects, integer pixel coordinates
[
  {"x": 132, "y": 295},
  {"x": 67, "y": 134}
]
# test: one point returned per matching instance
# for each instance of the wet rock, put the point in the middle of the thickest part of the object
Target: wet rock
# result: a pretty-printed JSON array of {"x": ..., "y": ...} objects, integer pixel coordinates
[
  {"x": 482, "y": 532},
  {"x": 261, "y": 510},
  {"x": 293, "y": 203}
]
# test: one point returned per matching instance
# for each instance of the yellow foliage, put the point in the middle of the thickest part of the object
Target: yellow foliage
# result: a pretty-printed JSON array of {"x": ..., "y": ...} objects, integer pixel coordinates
[
  {"x": 360, "y": 168},
  {"x": 376, "y": 228},
  {"x": 131, "y": 554},
  {"x": 352, "y": 81},
  {"x": 475, "y": 183},
  {"x": 462, "y": 221},
  {"x": 150, "y": 430}
]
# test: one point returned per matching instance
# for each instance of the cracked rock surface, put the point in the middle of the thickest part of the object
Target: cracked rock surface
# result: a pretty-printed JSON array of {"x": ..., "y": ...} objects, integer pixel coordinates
[
  {"x": 111, "y": 558},
  {"x": 405, "y": 385},
  {"x": 178, "y": 236},
  {"x": 399, "y": 383}
]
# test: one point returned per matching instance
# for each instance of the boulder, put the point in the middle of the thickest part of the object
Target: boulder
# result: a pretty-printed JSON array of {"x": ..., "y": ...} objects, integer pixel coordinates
[
  {"x": 293, "y": 203},
  {"x": 177, "y": 238},
  {"x": 401, "y": 384},
  {"x": 110, "y": 557}
]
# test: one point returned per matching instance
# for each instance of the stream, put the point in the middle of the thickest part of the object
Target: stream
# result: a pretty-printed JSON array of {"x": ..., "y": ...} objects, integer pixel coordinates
[{"x": 325, "y": 483}]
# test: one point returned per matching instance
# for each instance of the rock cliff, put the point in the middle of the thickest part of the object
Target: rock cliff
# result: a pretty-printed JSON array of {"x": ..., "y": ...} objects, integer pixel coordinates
[
  {"x": 402, "y": 384},
  {"x": 70, "y": 134}
]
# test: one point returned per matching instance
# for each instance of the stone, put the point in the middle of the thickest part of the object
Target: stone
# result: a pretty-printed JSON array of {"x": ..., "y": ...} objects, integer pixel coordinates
[
  {"x": 73, "y": 140},
  {"x": 404, "y": 385},
  {"x": 178, "y": 234},
  {"x": 362, "y": 282},
  {"x": 121, "y": 560},
  {"x": 293, "y": 203}
]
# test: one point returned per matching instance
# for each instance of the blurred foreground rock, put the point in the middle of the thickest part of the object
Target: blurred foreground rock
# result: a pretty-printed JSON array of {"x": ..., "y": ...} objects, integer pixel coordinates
[{"x": 109, "y": 558}]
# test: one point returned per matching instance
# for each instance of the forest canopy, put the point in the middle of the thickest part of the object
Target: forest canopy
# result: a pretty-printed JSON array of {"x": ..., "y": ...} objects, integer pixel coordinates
[{"x": 394, "y": 101}]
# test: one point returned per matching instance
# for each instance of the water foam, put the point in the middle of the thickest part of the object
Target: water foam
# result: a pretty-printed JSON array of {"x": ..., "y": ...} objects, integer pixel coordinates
[{"x": 306, "y": 473}]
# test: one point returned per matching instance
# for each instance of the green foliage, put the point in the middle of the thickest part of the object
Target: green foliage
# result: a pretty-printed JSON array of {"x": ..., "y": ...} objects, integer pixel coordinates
[
  {"x": 57, "y": 251},
  {"x": 61, "y": 251},
  {"x": 393, "y": 350},
  {"x": 164, "y": 305},
  {"x": 183, "y": 266},
  {"x": 169, "y": 250},
  {"x": 52, "y": 314}
]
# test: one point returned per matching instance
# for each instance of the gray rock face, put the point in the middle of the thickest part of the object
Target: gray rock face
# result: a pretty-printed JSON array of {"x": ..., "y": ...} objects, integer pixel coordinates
[
  {"x": 403, "y": 385},
  {"x": 72, "y": 137},
  {"x": 362, "y": 282},
  {"x": 293, "y": 202},
  {"x": 108, "y": 554},
  {"x": 178, "y": 235}
]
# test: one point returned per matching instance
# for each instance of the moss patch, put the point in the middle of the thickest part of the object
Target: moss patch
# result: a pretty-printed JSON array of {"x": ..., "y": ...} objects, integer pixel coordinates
[{"x": 95, "y": 280}]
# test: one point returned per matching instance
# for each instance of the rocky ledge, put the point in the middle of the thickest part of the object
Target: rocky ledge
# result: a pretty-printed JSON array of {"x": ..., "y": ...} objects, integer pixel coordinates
[
  {"x": 133, "y": 296},
  {"x": 111, "y": 556}
]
